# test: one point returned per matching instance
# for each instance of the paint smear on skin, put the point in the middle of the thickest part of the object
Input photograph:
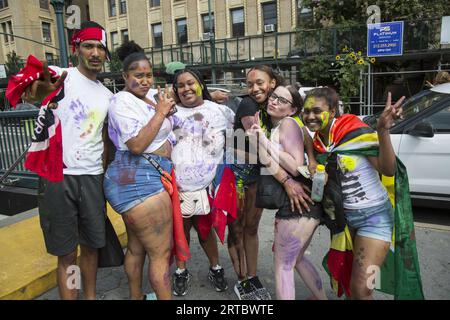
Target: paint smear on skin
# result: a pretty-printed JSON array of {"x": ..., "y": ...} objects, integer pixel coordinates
[
  {"x": 134, "y": 84},
  {"x": 309, "y": 103},
  {"x": 288, "y": 246},
  {"x": 306, "y": 265},
  {"x": 198, "y": 90},
  {"x": 325, "y": 117}
]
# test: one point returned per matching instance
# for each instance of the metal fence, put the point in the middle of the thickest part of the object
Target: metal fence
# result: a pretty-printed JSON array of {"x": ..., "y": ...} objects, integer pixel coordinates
[
  {"x": 421, "y": 35},
  {"x": 16, "y": 130}
]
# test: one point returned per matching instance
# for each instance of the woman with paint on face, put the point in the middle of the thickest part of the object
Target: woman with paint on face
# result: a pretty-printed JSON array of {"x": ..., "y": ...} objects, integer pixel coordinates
[
  {"x": 197, "y": 154},
  {"x": 243, "y": 243},
  {"x": 293, "y": 230},
  {"x": 355, "y": 156},
  {"x": 140, "y": 129}
]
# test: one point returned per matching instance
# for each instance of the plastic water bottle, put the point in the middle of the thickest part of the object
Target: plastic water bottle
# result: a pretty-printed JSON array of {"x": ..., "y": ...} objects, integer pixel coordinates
[{"x": 318, "y": 184}]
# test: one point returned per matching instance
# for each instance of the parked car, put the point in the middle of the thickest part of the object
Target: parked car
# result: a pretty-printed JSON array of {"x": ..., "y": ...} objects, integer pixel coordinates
[{"x": 422, "y": 142}]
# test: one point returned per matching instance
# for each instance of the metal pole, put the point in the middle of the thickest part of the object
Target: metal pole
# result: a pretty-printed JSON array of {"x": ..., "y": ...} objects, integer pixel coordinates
[
  {"x": 360, "y": 92},
  {"x": 369, "y": 93},
  {"x": 58, "y": 5},
  {"x": 212, "y": 44}
]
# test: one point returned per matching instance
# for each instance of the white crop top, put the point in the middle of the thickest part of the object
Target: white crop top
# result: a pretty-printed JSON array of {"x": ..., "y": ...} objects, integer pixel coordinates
[{"x": 127, "y": 115}]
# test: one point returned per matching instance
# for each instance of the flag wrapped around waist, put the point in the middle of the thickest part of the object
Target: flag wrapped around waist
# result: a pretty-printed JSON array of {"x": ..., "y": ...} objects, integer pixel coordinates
[
  {"x": 400, "y": 272},
  {"x": 180, "y": 245},
  {"x": 45, "y": 155},
  {"x": 223, "y": 203}
]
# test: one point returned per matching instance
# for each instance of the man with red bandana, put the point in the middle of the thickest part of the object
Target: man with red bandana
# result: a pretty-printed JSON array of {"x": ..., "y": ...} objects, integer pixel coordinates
[{"x": 72, "y": 212}]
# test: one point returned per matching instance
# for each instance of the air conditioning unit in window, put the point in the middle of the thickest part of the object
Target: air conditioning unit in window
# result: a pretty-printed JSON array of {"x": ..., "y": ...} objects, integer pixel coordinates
[
  {"x": 269, "y": 28},
  {"x": 206, "y": 36}
]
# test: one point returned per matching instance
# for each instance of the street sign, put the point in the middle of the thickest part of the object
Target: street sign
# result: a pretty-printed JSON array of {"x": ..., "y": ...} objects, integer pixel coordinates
[
  {"x": 445, "y": 30},
  {"x": 385, "y": 39}
]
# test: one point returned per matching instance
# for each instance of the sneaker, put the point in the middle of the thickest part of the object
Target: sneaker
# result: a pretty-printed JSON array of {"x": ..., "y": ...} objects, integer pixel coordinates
[
  {"x": 259, "y": 290},
  {"x": 217, "y": 278},
  {"x": 181, "y": 283},
  {"x": 244, "y": 291}
]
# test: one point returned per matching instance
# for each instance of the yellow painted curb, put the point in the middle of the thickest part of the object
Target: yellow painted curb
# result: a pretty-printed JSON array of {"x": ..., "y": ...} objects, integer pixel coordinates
[{"x": 26, "y": 269}]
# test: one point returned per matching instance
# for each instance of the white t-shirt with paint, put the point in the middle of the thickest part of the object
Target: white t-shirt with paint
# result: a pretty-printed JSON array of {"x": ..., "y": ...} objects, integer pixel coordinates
[
  {"x": 361, "y": 184},
  {"x": 127, "y": 115},
  {"x": 200, "y": 142},
  {"x": 82, "y": 112}
]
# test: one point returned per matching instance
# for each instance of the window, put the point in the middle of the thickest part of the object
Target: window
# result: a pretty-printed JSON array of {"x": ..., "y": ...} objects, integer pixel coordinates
[
  {"x": 157, "y": 35},
  {"x": 125, "y": 37},
  {"x": 155, "y": 3},
  {"x": 10, "y": 29},
  {"x": 49, "y": 57},
  {"x": 46, "y": 32},
  {"x": 114, "y": 40},
  {"x": 123, "y": 6},
  {"x": 205, "y": 20},
  {"x": 3, "y": 4},
  {"x": 269, "y": 11},
  {"x": 7, "y": 28},
  {"x": 5, "y": 36},
  {"x": 304, "y": 15},
  {"x": 112, "y": 8},
  {"x": 181, "y": 31},
  {"x": 237, "y": 22},
  {"x": 44, "y": 4},
  {"x": 440, "y": 120}
]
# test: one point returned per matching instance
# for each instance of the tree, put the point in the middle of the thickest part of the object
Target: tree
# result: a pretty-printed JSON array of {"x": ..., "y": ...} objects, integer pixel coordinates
[
  {"x": 115, "y": 65},
  {"x": 13, "y": 63},
  {"x": 352, "y": 12}
]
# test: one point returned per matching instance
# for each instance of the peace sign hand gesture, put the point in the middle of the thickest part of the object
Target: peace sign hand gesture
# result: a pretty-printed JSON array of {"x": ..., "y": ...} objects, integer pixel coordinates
[
  {"x": 390, "y": 114},
  {"x": 41, "y": 88}
]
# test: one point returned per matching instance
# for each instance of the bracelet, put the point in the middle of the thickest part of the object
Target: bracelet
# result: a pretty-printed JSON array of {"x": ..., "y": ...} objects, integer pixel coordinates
[{"x": 288, "y": 177}]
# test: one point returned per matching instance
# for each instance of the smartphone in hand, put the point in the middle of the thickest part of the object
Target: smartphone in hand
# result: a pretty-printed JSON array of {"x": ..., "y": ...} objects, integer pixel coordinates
[{"x": 172, "y": 111}]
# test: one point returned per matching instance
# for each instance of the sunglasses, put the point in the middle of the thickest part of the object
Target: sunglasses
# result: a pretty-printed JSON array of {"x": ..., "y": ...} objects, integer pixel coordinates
[{"x": 273, "y": 96}]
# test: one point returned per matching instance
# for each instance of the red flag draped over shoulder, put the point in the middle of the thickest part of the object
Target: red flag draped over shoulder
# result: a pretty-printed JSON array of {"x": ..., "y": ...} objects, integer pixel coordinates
[{"x": 44, "y": 156}]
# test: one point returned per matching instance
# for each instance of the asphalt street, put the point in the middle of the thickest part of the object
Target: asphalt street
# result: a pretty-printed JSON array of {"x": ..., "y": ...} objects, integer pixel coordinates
[{"x": 433, "y": 242}]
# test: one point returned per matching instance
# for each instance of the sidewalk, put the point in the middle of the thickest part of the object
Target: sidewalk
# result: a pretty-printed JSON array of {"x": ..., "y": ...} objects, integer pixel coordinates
[
  {"x": 26, "y": 270},
  {"x": 433, "y": 247}
]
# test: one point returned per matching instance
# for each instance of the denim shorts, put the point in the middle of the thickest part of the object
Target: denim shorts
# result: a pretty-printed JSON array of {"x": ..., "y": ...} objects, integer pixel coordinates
[
  {"x": 246, "y": 174},
  {"x": 131, "y": 179},
  {"x": 373, "y": 222}
]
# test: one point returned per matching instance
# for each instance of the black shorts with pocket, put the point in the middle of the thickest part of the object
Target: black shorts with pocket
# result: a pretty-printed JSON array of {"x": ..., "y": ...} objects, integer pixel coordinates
[{"x": 72, "y": 212}]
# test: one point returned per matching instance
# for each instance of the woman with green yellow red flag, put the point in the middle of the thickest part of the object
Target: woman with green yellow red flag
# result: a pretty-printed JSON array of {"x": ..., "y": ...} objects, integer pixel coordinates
[{"x": 372, "y": 232}]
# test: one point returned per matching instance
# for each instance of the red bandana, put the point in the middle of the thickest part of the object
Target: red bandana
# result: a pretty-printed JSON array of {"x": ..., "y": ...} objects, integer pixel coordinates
[{"x": 90, "y": 34}]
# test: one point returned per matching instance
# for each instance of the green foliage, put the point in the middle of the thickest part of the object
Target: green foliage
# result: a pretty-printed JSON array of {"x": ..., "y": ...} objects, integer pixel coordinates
[
  {"x": 115, "y": 65},
  {"x": 315, "y": 71},
  {"x": 73, "y": 59},
  {"x": 350, "y": 64},
  {"x": 13, "y": 63},
  {"x": 351, "y": 12}
]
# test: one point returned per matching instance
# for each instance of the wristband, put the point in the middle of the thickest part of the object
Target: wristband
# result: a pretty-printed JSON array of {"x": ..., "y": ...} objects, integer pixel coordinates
[{"x": 288, "y": 177}]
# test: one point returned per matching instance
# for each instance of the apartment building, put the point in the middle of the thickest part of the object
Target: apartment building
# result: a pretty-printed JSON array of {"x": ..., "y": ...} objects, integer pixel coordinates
[
  {"x": 34, "y": 20},
  {"x": 157, "y": 23}
]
